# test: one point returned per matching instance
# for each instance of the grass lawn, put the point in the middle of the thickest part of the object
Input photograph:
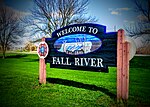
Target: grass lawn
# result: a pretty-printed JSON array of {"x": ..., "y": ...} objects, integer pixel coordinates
[{"x": 19, "y": 85}]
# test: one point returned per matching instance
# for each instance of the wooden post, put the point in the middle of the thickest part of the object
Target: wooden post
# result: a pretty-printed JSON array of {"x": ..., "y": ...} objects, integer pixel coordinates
[
  {"x": 122, "y": 66},
  {"x": 42, "y": 69}
]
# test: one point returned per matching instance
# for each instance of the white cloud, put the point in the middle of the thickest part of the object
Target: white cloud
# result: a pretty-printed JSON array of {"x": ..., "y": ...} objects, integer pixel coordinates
[
  {"x": 118, "y": 11},
  {"x": 123, "y": 9},
  {"x": 110, "y": 9},
  {"x": 36, "y": 21},
  {"x": 25, "y": 13},
  {"x": 129, "y": 21},
  {"x": 125, "y": 21},
  {"x": 115, "y": 13},
  {"x": 17, "y": 13}
]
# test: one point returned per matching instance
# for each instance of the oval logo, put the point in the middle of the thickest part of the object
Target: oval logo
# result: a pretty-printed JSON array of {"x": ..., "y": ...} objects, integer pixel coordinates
[
  {"x": 42, "y": 50},
  {"x": 77, "y": 44}
]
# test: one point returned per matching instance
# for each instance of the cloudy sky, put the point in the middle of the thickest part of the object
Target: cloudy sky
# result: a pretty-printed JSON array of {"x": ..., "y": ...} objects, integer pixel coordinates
[{"x": 114, "y": 14}]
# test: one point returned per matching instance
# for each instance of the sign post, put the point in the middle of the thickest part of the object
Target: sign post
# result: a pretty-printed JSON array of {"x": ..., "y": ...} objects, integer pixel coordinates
[
  {"x": 122, "y": 66},
  {"x": 42, "y": 52}
]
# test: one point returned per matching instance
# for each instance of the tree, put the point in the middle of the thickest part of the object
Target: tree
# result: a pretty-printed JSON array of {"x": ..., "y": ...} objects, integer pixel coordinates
[
  {"x": 30, "y": 47},
  {"x": 141, "y": 29},
  {"x": 9, "y": 28},
  {"x": 143, "y": 6},
  {"x": 143, "y": 25},
  {"x": 50, "y": 15}
]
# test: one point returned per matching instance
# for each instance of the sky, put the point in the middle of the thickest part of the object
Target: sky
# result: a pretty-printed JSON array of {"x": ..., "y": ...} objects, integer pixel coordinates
[{"x": 114, "y": 14}]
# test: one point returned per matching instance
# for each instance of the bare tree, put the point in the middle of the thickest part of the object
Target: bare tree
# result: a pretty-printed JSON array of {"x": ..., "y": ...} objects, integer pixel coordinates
[
  {"x": 141, "y": 28},
  {"x": 49, "y": 15},
  {"x": 143, "y": 25},
  {"x": 143, "y": 6},
  {"x": 138, "y": 28},
  {"x": 9, "y": 28}
]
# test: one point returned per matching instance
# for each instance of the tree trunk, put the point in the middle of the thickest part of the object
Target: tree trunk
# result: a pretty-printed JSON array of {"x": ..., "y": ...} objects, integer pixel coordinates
[
  {"x": 3, "y": 54},
  {"x": 4, "y": 51}
]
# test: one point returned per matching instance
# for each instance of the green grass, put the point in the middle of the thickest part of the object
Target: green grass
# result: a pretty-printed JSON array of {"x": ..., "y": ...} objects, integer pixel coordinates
[{"x": 19, "y": 85}]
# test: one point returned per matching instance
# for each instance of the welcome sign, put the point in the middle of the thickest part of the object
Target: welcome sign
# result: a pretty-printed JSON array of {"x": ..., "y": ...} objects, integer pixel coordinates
[
  {"x": 88, "y": 47},
  {"x": 82, "y": 46}
]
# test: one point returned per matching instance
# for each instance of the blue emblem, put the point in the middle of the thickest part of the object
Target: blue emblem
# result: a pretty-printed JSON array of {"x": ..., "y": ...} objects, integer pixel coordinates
[{"x": 42, "y": 50}]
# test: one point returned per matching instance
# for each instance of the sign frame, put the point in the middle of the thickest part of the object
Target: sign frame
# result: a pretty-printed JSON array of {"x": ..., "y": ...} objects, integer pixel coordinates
[
  {"x": 123, "y": 48},
  {"x": 109, "y": 46}
]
